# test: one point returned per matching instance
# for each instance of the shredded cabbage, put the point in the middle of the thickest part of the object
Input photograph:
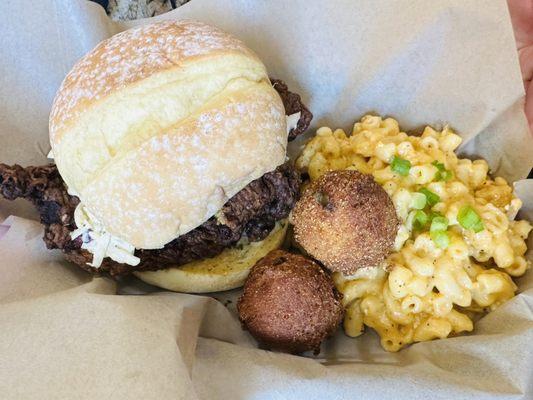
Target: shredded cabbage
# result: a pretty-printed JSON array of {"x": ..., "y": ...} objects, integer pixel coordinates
[
  {"x": 292, "y": 121},
  {"x": 99, "y": 242}
]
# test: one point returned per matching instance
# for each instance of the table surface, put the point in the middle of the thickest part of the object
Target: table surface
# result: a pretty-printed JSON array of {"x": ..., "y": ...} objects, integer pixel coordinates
[{"x": 134, "y": 9}]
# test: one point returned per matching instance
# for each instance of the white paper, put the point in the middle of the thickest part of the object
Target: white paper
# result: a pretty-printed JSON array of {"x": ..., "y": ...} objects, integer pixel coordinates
[{"x": 67, "y": 336}]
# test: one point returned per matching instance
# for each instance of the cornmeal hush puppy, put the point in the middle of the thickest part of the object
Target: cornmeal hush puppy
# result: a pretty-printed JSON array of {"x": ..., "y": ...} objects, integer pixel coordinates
[
  {"x": 346, "y": 221},
  {"x": 290, "y": 303}
]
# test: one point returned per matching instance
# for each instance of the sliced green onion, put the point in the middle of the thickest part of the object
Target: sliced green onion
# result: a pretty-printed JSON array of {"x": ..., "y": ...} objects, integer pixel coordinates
[
  {"x": 432, "y": 198},
  {"x": 446, "y": 176},
  {"x": 400, "y": 166},
  {"x": 478, "y": 227},
  {"x": 469, "y": 219},
  {"x": 440, "y": 238},
  {"x": 442, "y": 174},
  {"x": 434, "y": 214},
  {"x": 420, "y": 219},
  {"x": 418, "y": 201},
  {"x": 438, "y": 224},
  {"x": 440, "y": 166}
]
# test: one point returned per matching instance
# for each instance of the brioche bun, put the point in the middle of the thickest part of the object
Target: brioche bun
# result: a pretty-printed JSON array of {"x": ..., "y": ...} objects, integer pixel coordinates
[
  {"x": 158, "y": 126},
  {"x": 226, "y": 271}
]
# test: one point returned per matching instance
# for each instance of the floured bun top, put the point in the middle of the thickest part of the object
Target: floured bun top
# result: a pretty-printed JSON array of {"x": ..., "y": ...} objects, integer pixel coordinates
[{"x": 158, "y": 126}]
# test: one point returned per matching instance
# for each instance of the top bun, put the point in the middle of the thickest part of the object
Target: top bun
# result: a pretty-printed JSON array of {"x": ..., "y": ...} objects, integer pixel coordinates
[{"x": 158, "y": 126}]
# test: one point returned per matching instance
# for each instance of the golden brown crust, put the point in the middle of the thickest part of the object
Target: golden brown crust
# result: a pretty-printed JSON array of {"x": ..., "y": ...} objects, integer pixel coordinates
[
  {"x": 289, "y": 303},
  {"x": 345, "y": 220}
]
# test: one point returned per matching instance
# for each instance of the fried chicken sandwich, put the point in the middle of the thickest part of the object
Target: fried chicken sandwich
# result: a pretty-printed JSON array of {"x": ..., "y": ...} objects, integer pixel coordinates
[{"x": 169, "y": 142}]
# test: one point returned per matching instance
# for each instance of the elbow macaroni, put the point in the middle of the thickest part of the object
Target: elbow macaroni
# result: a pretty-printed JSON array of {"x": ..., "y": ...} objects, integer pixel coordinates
[{"x": 422, "y": 292}]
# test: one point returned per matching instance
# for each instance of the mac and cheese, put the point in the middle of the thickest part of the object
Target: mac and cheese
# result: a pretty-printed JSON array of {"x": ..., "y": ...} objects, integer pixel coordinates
[{"x": 458, "y": 245}]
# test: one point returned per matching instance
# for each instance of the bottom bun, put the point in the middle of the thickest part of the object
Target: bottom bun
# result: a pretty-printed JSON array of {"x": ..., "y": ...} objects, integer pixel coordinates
[{"x": 226, "y": 271}]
